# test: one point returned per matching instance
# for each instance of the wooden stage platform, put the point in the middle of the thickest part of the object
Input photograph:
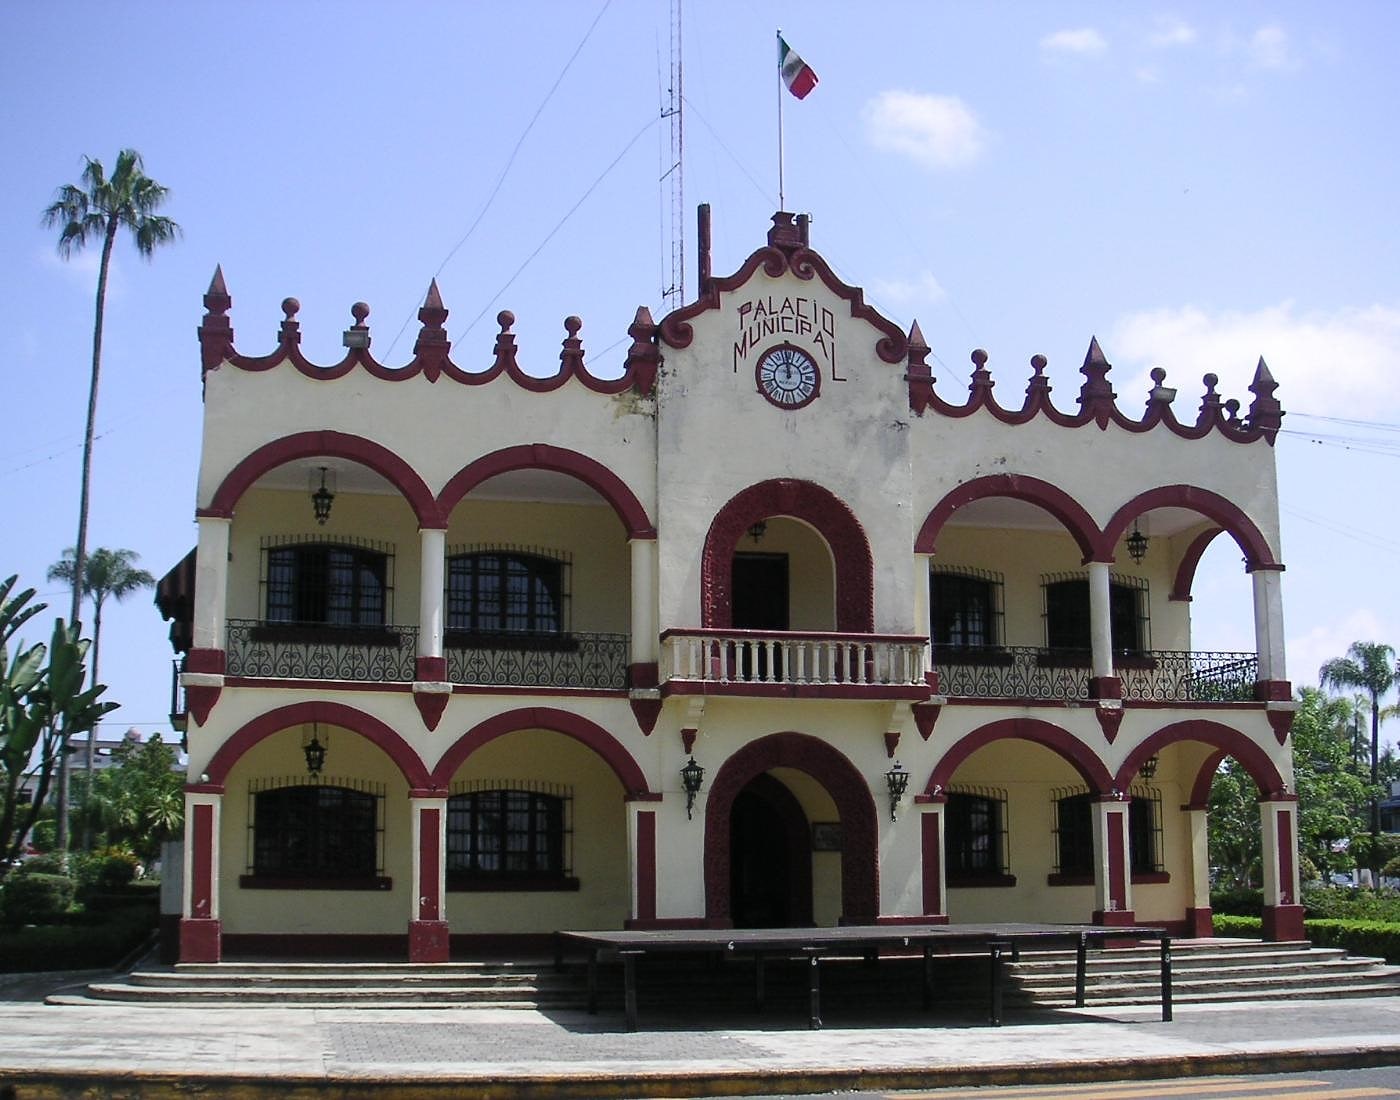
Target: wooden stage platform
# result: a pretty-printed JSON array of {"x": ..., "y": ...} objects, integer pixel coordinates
[{"x": 812, "y": 945}]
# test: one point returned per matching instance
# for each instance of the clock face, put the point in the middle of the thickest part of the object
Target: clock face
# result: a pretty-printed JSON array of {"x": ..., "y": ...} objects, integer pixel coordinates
[{"x": 788, "y": 376}]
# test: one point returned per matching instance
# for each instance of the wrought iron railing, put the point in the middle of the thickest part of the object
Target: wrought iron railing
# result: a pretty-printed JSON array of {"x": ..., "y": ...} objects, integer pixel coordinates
[
  {"x": 1171, "y": 676},
  {"x": 1011, "y": 672},
  {"x": 1023, "y": 672},
  {"x": 564, "y": 660},
  {"x": 317, "y": 651},
  {"x": 179, "y": 709},
  {"x": 771, "y": 657}
]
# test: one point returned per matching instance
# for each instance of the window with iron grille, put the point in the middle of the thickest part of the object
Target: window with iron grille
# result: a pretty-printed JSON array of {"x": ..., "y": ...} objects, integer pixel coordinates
[
  {"x": 975, "y": 844},
  {"x": 1067, "y": 613},
  {"x": 343, "y": 583},
  {"x": 1074, "y": 832},
  {"x": 965, "y": 607},
  {"x": 511, "y": 833},
  {"x": 331, "y": 831},
  {"x": 507, "y": 591}
]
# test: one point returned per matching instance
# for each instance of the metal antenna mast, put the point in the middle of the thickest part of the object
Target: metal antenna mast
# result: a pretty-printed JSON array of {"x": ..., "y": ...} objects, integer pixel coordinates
[{"x": 674, "y": 294}]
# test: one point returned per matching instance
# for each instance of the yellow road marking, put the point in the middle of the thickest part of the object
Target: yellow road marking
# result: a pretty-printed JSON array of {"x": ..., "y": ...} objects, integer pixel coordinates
[{"x": 1197, "y": 1087}]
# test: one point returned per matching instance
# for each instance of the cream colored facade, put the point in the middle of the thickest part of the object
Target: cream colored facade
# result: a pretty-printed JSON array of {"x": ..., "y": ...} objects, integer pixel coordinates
[{"x": 811, "y": 591}]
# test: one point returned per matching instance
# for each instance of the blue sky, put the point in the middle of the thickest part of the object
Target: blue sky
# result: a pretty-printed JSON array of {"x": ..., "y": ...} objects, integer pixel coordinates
[{"x": 1196, "y": 184}]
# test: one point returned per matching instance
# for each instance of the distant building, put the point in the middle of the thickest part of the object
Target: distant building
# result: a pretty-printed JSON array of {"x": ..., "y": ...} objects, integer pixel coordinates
[{"x": 767, "y": 630}]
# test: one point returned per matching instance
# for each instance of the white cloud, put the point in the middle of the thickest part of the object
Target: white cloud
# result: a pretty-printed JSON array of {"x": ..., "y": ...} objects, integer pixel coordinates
[
  {"x": 1328, "y": 363},
  {"x": 1171, "y": 32},
  {"x": 1269, "y": 49},
  {"x": 1308, "y": 652},
  {"x": 1148, "y": 75},
  {"x": 936, "y": 131},
  {"x": 923, "y": 289},
  {"x": 1085, "y": 41},
  {"x": 80, "y": 268}
]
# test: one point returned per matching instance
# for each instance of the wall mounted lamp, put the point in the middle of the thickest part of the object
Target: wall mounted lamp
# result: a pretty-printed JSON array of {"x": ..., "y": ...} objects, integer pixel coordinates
[
  {"x": 692, "y": 779},
  {"x": 1137, "y": 544},
  {"x": 897, "y": 780}
]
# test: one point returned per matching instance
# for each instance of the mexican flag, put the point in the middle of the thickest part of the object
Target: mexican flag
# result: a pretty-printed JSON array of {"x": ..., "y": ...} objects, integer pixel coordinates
[{"x": 797, "y": 74}]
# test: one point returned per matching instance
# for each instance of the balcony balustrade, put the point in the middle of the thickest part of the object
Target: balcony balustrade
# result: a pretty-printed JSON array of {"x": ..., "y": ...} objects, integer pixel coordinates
[
  {"x": 752, "y": 657},
  {"x": 1024, "y": 672},
  {"x": 562, "y": 660},
  {"x": 318, "y": 651},
  {"x": 321, "y": 651}
]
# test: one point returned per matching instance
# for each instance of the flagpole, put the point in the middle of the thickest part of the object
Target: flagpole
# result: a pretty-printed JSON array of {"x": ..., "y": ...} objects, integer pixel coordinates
[{"x": 781, "y": 205}]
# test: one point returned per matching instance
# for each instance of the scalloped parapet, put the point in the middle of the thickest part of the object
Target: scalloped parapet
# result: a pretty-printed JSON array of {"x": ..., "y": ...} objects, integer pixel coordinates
[
  {"x": 432, "y": 350},
  {"x": 787, "y": 253},
  {"x": 1098, "y": 403}
]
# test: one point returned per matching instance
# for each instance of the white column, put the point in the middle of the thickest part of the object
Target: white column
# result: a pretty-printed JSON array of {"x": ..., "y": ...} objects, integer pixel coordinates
[
  {"x": 1100, "y": 621},
  {"x": 433, "y": 557},
  {"x": 1277, "y": 825},
  {"x": 1113, "y": 888},
  {"x": 211, "y": 582},
  {"x": 1268, "y": 623},
  {"x": 923, "y": 624},
  {"x": 428, "y": 898},
  {"x": 644, "y": 625},
  {"x": 1198, "y": 830},
  {"x": 202, "y": 827}
]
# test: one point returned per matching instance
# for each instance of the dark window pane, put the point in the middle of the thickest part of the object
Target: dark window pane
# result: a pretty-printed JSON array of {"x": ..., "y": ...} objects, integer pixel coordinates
[
  {"x": 502, "y": 592},
  {"x": 1075, "y": 835},
  {"x": 961, "y": 609},
  {"x": 314, "y": 832},
  {"x": 505, "y": 832}
]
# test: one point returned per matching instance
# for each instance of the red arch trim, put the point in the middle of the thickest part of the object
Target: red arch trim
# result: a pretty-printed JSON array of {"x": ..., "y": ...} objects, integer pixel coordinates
[
  {"x": 335, "y": 714},
  {"x": 807, "y": 501},
  {"x": 1190, "y": 560},
  {"x": 627, "y": 770},
  {"x": 1082, "y": 758},
  {"x": 860, "y": 888},
  {"x": 543, "y": 456},
  {"x": 335, "y": 445},
  {"x": 1200, "y": 790},
  {"x": 1232, "y": 742},
  {"x": 1032, "y": 490},
  {"x": 1213, "y": 506}
]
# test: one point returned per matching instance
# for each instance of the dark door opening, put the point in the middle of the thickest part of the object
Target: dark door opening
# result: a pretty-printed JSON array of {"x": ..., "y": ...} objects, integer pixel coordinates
[
  {"x": 760, "y": 584},
  {"x": 760, "y": 864}
]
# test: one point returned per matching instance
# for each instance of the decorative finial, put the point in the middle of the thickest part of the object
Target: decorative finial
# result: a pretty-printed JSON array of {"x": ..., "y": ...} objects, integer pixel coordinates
[
  {"x": 643, "y": 357},
  {"x": 432, "y": 345},
  {"x": 357, "y": 335},
  {"x": 505, "y": 340},
  {"x": 571, "y": 357},
  {"x": 1096, "y": 396},
  {"x": 1265, "y": 412},
  {"x": 1160, "y": 394},
  {"x": 1210, "y": 402},
  {"x": 289, "y": 332}
]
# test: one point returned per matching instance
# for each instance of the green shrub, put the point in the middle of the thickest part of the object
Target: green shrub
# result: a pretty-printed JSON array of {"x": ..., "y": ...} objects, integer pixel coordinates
[
  {"x": 1351, "y": 903},
  {"x": 44, "y": 835},
  {"x": 1307, "y": 870},
  {"x": 1360, "y": 937},
  {"x": 36, "y": 898},
  {"x": 49, "y": 864},
  {"x": 1240, "y": 901},
  {"x": 1228, "y": 924},
  {"x": 76, "y": 946}
]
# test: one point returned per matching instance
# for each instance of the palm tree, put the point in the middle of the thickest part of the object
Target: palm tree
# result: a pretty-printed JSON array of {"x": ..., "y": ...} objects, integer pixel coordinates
[
  {"x": 127, "y": 199},
  {"x": 1369, "y": 666},
  {"x": 107, "y": 573},
  {"x": 100, "y": 207}
]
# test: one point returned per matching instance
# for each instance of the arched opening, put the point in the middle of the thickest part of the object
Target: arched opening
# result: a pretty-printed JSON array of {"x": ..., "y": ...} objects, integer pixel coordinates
[
  {"x": 537, "y": 572},
  {"x": 794, "y": 531},
  {"x": 536, "y": 836},
  {"x": 770, "y": 857},
  {"x": 1018, "y": 832},
  {"x": 792, "y": 781}
]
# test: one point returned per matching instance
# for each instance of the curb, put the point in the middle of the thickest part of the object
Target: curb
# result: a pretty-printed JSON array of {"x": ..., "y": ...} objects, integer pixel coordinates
[{"x": 97, "y": 1084}]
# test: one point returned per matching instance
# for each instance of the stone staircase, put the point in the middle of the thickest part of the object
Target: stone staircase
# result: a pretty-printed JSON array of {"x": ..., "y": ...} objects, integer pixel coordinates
[{"x": 1203, "y": 971}]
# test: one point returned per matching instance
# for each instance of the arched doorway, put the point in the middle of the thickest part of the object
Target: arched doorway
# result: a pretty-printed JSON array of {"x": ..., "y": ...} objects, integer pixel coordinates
[
  {"x": 789, "y": 761},
  {"x": 770, "y": 857}
]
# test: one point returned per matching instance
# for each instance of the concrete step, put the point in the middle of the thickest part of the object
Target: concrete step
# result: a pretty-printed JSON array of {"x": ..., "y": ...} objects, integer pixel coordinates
[{"x": 1203, "y": 971}]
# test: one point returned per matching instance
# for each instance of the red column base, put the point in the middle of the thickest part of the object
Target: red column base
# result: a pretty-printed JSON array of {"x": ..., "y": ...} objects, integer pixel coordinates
[
  {"x": 1105, "y": 687},
  {"x": 1198, "y": 924},
  {"x": 1114, "y": 918},
  {"x": 201, "y": 940},
  {"x": 428, "y": 941},
  {"x": 1283, "y": 922}
]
